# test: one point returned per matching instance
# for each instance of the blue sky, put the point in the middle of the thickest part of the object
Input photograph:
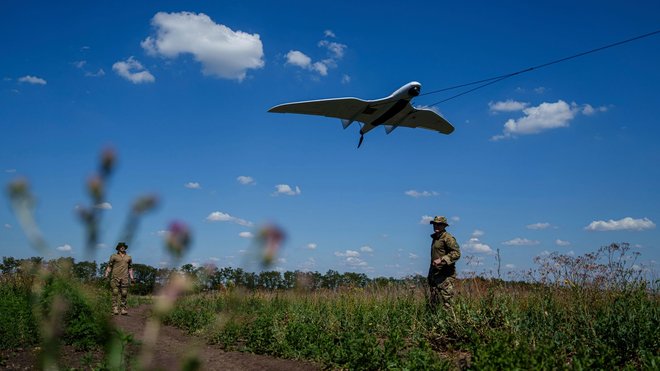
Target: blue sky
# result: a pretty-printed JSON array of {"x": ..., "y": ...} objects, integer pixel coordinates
[{"x": 559, "y": 159}]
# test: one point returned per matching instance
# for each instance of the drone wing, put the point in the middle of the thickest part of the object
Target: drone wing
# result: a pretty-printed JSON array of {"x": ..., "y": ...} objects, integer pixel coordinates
[
  {"x": 343, "y": 108},
  {"x": 427, "y": 119}
]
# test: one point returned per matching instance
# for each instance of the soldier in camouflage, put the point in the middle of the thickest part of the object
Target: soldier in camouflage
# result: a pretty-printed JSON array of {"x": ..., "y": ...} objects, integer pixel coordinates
[
  {"x": 442, "y": 272},
  {"x": 120, "y": 265}
]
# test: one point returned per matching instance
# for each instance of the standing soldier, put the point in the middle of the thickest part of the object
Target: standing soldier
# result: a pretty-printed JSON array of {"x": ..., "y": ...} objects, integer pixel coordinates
[
  {"x": 120, "y": 265},
  {"x": 442, "y": 272}
]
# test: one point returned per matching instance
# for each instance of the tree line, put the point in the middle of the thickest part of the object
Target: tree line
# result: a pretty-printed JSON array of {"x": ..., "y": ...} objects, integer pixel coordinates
[{"x": 149, "y": 279}]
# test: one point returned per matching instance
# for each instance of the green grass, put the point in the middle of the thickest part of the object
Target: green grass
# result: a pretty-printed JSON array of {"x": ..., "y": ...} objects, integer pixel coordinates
[
  {"x": 17, "y": 324},
  {"x": 494, "y": 326},
  {"x": 84, "y": 318}
]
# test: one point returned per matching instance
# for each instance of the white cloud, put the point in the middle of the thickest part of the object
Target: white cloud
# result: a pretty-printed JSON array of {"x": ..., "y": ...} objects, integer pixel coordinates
[
  {"x": 538, "y": 226},
  {"x": 104, "y": 206},
  {"x": 246, "y": 180},
  {"x": 163, "y": 233},
  {"x": 214, "y": 259},
  {"x": 218, "y": 216},
  {"x": 246, "y": 235},
  {"x": 355, "y": 262},
  {"x": 81, "y": 66},
  {"x": 539, "y": 90},
  {"x": 627, "y": 223},
  {"x": 521, "y": 242},
  {"x": 416, "y": 194},
  {"x": 329, "y": 33},
  {"x": 412, "y": 256},
  {"x": 559, "y": 242},
  {"x": 509, "y": 266},
  {"x": 475, "y": 261},
  {"x": 8, "y": 226},
  {"x": 474, "y": 244},
  {"x": 10, "y": 171},
  {"x": 133, "y": 71},
  {"x": 32, "y": 80},
  {"x": 65, "y": 248},
  {"x": 347, "y": 253},
  {"x": 311, "y": 246},
  {"x": 335, "y": 49},
  {"x": 588, "y": 110},
  {"x": 545, "y": 116},
  {"x": 352, "y": 258},
  {"x": 98, "y": 73},
  {"x": 193, "y": 185},
  {"x": 345, "y": 79},
  {"x": 307, "y": 265},
  {"x": 300, "y": 59},
  {"x": 285, "y": 189},
  {"x": 426, "y": 219},
  {"x": 221, "y": 51},
  {"x": 366, "y": 249},
  {"x": 455, "y": 219},
  {"x": 507, "y": 106},
  {"x": 320, "y": 67}
]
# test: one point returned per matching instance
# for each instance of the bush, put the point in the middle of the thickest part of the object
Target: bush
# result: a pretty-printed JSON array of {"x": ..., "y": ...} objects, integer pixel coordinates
[
  {"x": 17, "y": 324},
  {"x": 85, "y": 322}
]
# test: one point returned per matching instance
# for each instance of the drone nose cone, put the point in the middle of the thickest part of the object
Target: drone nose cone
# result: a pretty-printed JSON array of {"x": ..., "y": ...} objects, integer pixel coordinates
[{"x": 414, "y": 91}]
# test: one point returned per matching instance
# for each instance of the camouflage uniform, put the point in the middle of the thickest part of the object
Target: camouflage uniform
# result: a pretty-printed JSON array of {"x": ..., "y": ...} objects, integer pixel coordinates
[
  {"x": 120, "y": 264},
  {"x": 442, "y": 278}
]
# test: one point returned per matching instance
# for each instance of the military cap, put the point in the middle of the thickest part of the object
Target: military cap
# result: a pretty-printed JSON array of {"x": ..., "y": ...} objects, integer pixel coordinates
[
  {"x": 439, "y": 220},
  {"x": 120, "y": 245}
]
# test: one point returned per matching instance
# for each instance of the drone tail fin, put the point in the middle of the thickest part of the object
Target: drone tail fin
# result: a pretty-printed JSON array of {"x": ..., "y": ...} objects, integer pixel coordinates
[
  {"x": 346, "y": 123},
  {"x": 390, "y": 128}
]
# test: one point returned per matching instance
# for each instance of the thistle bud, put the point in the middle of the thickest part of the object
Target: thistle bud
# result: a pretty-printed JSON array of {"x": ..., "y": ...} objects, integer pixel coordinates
[
  {"x": 95, "y": 188},
  {"x": 270, "y": 238},
  {"x": 144, "y": 204},
  {"x": 108, "y": 160},
  {"x": 18, "y": 188},
  {"x": 178, "y": 239}
]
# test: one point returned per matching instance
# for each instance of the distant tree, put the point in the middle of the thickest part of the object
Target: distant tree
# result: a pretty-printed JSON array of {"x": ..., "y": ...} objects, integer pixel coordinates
[
  {"x": 63, "y": 265},
  {"x": 9, "y": 265},
  {"x": 145, "y": 279},
  {"x": 352, "y": 279},
  {"x": 270, "y": 280},
  {"x": 189, "y": 270},
  {"x": 331, "y": 279},
  {"x": 249, "y": 280},
  {"x": 85, "y": 271},
  {"x": 290, "y": 279}
]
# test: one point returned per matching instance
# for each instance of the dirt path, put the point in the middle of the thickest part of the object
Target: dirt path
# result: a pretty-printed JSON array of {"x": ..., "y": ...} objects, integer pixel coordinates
[
  {"x": 171, "y": 347},
  {"x": 173, "y": 344}
]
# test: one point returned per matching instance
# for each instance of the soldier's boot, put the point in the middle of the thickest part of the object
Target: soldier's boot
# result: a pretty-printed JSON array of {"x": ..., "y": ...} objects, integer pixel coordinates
[
  {"x": 115, "y": 311},
  {"x": 124, "y": 312}
]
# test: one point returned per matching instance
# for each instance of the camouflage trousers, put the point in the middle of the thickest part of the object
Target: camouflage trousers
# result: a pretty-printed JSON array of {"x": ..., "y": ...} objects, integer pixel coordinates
[
  {"x": 119, "y": 293},
  {"x": 441, "y": 285}
]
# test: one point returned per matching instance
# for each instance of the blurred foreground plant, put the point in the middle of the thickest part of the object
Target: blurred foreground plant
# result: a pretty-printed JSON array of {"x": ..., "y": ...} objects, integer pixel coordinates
[{"x": 63, "y": 309}]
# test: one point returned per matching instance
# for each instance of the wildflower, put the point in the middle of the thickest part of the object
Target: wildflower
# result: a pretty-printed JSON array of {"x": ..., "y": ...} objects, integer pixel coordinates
[
  {"x": 178, "y": 239},
  {"x": 95, "y": 188},
  {"x": 108, "y": 159},
  {"x": 144, "y": 204},
  {"x": 270, "y": 238}
]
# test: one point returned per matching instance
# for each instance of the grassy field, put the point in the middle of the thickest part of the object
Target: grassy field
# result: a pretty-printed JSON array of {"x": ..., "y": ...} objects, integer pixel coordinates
[
  {"x": 566, "y": 319},
  {"x": 492, "y": 325}
]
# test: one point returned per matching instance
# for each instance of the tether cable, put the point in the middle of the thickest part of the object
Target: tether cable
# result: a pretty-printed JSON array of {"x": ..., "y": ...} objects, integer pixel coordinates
[{"x": 493, "y": 80}]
